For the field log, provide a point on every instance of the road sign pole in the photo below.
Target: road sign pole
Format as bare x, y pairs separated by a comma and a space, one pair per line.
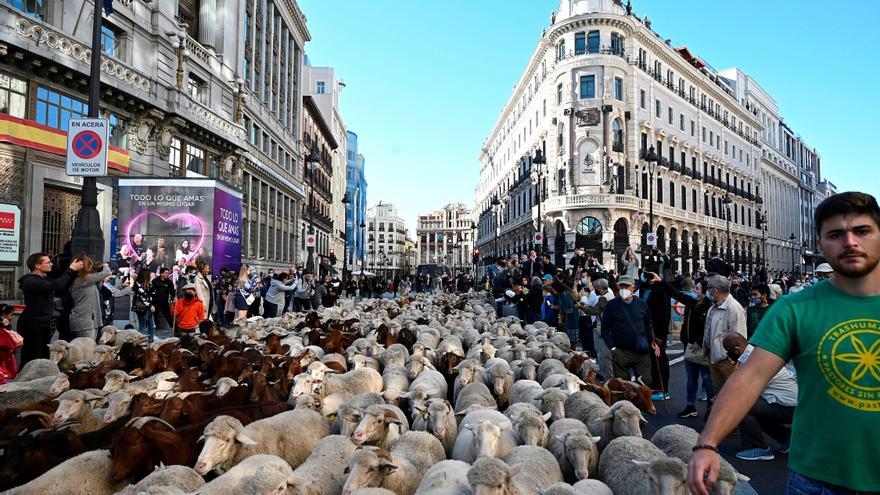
88, 237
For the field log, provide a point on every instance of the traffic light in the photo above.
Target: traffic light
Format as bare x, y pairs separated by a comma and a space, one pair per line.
332, 257
476, 255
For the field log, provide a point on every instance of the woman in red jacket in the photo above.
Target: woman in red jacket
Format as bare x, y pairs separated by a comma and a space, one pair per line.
188, 311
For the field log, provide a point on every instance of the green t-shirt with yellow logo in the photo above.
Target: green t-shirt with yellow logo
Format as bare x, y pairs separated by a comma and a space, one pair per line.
833, 339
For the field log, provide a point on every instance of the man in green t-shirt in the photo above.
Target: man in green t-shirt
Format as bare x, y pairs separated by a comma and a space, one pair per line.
831, 331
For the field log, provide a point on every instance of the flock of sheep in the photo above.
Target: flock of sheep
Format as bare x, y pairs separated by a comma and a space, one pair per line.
423, 395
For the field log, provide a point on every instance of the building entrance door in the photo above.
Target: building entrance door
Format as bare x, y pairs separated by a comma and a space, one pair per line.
60, 207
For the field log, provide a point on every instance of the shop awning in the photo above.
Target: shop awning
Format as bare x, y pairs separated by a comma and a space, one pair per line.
30, 134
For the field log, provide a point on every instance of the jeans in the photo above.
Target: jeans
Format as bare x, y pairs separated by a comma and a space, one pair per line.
270, 310
694, 373
301, 305
767, 418
147, 325
799, 484
603, 354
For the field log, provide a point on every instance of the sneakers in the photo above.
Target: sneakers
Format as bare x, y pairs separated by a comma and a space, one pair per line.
756, 454
702, 396
688, 412
784, 448
659, 396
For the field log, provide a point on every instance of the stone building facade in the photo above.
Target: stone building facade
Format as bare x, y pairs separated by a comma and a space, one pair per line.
385, 241
445, 236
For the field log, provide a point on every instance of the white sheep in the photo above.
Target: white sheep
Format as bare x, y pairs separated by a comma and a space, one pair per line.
395, 354
574, 448
111, 335
323, 472
51, 386
437, 418
621, 419
474, 396
634, 466
529, 424
359, 361
37, 368
524, 472
396, 381
399, 470
259, 474
103, 354
182, 478
67, 354
85, 474
484, 432
592, 487
290, 435
567, 382
678, 441
361, 381
380, 425
445, 478
73, 405
550, 367
429, 384
349, 413
499, 377
524, 369
467, 372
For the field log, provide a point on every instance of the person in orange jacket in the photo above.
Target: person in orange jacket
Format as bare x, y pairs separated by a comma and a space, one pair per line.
188, 311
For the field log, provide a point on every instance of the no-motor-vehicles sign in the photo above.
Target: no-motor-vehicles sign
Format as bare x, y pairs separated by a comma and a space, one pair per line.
87, 147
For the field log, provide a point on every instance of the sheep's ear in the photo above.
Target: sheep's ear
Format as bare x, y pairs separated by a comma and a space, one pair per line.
742, 478
391, 418
596, 439
406, 395
581, 382
642, 419
643, 464
547, 416
242, 438
387, 467
514, 470
609, 416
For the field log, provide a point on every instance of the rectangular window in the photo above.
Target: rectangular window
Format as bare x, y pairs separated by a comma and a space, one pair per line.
669, 115
684, 198
34, 8
13, 96
559, 95
174, 157
197, 89
561, 50
681, 122
671, 193
642, 99
55, 110
580, 43
109, 41
195, 159
693, 129
659, 189
657, 109
618, 89
593, 42
588, 87
320, 88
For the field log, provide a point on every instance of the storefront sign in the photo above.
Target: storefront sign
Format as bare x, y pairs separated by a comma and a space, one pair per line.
165, 223
10, 233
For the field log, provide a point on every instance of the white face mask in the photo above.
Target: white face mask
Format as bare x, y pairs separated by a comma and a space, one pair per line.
625, 293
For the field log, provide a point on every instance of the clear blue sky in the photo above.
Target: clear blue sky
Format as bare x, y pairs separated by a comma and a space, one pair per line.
426, 80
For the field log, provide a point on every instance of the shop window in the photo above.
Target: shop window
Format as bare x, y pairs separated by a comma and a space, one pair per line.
13, 96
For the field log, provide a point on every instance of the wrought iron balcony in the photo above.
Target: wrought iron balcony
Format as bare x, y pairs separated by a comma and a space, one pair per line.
675, 167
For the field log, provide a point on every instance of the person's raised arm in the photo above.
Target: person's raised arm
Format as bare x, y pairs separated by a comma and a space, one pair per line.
733, 403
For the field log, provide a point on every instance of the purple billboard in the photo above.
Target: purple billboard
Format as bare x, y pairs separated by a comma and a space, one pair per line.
168, 223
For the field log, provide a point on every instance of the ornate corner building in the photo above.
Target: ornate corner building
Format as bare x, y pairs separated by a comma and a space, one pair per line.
600, 90
192, 88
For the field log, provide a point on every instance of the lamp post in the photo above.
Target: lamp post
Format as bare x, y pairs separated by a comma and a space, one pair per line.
345, 201
178, 40
536, 176
363, 226
726, 200
313, 161
496, 206
651, 159
474, 246
792, 240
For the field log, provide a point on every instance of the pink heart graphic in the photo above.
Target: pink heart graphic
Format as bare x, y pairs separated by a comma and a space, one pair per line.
190, 219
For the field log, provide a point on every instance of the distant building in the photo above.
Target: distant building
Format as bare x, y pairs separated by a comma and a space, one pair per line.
445, 236
356, 212
386, 235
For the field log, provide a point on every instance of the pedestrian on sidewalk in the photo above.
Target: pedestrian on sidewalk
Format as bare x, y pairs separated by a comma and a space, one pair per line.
279, 288
163, 295
829, 333
246, 290
142, 304
36, 323
85, 312
626, 329
570, 314
725, 315
189, 312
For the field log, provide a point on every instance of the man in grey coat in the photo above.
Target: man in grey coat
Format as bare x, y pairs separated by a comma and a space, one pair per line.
85, 315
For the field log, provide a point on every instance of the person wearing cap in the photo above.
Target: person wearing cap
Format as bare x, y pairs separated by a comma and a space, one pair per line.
188, 311
824, 271
627, 331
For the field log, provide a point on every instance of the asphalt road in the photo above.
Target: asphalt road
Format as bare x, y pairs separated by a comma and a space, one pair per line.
767, 477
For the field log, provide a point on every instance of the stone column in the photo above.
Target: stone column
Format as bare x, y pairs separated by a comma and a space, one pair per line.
207, 22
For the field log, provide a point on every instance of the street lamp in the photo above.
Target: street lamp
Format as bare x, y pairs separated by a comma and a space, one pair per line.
651, 159
363, 226
726, 200
792, 240
178, 41
345, 201
313, 161
496, 206
474, 246
537, 175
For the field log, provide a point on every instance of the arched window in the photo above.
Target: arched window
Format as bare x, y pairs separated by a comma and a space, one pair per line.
685, 244
661, 238
673, 241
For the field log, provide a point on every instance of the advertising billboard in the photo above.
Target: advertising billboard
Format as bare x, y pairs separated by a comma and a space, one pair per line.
163, 223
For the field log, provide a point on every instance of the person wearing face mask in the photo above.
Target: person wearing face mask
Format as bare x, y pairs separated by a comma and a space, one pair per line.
760, 303
772, 412
797, 287
627, 331
725, 316
824, 272
188, 311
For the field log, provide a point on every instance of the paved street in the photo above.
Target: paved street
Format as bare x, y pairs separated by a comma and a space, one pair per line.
767, 477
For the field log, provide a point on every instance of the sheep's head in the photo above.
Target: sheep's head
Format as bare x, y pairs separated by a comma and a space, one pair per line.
532, 429
310, 401
165, 381
668, 476
317, 369
727, 480
224, 385
108, 334
437, 413
487, 438
59, 386
72, 404
624, 420
305, 384
547, 350
490, 476
374, 425
367, 467
553, 401
103, 354
270, 479
360, 361
416, 365
222, 438
581, 452
528, 369
115, 380
466, 373
118, 405
501, 378
419, 395
58, 350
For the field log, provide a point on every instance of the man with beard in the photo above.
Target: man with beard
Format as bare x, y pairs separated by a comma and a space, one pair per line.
830, 332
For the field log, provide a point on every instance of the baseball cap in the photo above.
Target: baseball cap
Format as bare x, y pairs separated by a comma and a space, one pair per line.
824, 268
548, 276
189, 286
626, 280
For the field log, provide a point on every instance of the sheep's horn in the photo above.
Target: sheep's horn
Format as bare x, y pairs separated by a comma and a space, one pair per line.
25, 414
139, 422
